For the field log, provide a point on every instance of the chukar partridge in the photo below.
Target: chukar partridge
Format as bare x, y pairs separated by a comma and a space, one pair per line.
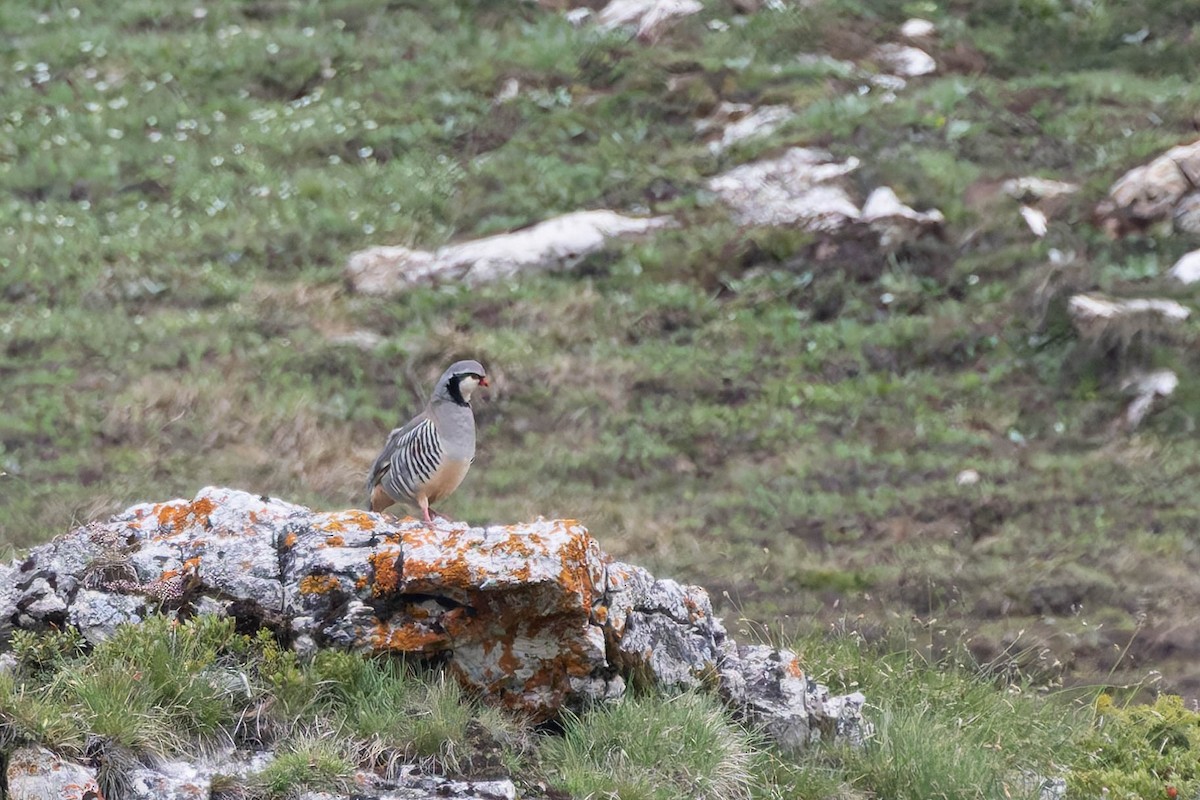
427, 459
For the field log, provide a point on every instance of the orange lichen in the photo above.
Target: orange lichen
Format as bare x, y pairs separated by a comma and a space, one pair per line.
516, 544
361, 582
340, 521
387, 573
793, 668
335, 541
178, 516
574, 576
408, 639
192, 564
289, 541
319, 584
508, 660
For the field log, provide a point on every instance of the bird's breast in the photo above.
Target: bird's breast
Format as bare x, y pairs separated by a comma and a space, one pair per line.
446, 478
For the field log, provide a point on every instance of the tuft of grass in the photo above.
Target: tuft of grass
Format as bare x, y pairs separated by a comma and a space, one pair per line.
315, 762
652, 748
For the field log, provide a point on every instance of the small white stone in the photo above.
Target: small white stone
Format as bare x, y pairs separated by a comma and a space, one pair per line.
917, 28
1187, 268
968, 477
1035, 219
908, 62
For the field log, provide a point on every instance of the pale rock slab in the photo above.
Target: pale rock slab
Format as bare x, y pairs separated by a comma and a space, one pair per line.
797, 188
1095, 315
650, 18
739, 122
554, 244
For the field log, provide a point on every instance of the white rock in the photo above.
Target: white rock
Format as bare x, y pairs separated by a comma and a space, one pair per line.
967, 477
649, 17
510, 90
1187, 268
1033, 188
1150, 191
1095, 316
1035, 219
1159, 382
894, 221
553, 244
792, 189
741, 123
917, 28
1147, 388
905, 61
883, 203
578, 16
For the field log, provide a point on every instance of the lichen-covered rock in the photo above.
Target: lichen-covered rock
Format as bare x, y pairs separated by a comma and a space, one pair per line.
35, 773
533, 616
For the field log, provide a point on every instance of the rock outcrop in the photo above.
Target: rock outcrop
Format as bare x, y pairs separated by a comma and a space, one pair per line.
534, 616
1166, 188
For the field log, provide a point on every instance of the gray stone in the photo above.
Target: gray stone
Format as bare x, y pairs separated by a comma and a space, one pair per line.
1186, 216
173, 780
35, 773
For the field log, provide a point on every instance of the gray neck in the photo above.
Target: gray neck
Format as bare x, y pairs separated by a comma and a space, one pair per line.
456, 428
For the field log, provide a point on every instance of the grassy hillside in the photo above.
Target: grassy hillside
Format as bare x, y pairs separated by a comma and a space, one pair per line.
180, 185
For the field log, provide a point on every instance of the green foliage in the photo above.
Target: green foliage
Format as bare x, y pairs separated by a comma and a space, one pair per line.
944, 728
649, 747
40, 653
1140, 750
316, 763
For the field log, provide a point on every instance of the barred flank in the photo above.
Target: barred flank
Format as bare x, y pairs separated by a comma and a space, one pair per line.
414, 461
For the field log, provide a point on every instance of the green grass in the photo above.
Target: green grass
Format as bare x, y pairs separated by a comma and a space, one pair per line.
652, 748
943, 726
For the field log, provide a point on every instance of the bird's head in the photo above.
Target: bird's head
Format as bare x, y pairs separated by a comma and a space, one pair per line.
460, 380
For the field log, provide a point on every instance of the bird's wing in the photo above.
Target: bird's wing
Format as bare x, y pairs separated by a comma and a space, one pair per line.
384, 461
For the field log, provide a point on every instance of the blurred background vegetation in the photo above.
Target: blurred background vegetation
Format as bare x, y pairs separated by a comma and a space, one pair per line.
181, 184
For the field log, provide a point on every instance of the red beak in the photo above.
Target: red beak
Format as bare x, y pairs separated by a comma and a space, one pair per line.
483, 382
